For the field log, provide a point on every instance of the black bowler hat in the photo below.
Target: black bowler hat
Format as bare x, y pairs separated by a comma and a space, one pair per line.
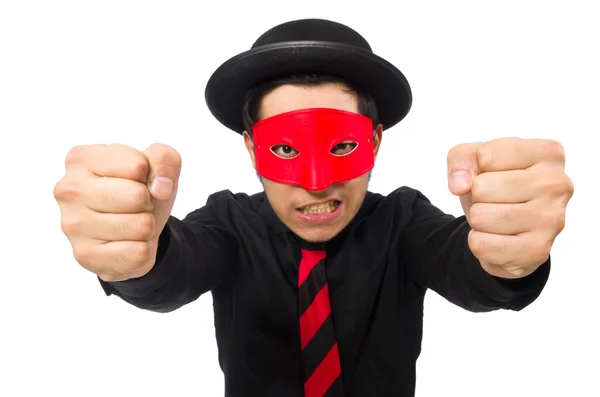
307, 46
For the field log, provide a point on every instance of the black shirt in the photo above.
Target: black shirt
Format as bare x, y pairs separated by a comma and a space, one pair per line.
379, 268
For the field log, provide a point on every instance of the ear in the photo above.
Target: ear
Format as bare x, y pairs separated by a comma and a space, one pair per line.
377, 135
249, 142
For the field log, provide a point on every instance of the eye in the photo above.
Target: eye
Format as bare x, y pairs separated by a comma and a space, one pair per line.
284, 151
344, 148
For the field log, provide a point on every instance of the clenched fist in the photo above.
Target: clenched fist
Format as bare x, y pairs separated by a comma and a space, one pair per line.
114, 202
514, 193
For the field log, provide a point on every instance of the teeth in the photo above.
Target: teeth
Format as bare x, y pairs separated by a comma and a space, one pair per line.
321, 208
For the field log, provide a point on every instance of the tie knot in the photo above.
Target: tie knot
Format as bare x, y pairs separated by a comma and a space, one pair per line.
310, 246
313, 251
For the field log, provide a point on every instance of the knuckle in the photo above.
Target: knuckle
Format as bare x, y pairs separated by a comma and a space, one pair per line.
145, 225
540, 250
138, 169
142, 270
554, 150
558, 185
134, 163
133, 195
75, 155
139, 254
476, 243
540, 257
140, 197
82, 254
484, 157
555, 220
568, 185
66, 190
72, 225
481, 214
476, 215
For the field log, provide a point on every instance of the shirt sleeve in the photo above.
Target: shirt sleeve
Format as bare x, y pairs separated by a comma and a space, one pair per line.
195, 255
440, 259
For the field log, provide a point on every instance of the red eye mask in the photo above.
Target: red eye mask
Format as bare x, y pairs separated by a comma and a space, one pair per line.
314, 148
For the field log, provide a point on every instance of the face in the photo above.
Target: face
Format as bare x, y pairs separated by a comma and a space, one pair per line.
315, 216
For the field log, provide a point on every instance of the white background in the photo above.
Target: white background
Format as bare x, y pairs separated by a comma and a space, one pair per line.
134, 72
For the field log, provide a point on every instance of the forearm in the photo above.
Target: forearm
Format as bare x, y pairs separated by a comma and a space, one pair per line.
456, 274
191, 260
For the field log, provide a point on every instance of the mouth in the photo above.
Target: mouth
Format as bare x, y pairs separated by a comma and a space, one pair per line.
324, 212
321, 208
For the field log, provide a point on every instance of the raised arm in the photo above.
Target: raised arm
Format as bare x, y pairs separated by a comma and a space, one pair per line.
115, 204
438, 258
514, 193
194, 256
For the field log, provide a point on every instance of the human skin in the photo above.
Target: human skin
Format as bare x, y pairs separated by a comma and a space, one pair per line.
287, 200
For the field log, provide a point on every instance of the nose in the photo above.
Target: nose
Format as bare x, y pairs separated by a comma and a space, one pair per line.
317, 178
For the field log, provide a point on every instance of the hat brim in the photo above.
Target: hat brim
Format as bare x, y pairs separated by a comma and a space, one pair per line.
227, 87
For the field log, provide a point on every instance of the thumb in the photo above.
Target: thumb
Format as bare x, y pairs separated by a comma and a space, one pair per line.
164, 169
462, 167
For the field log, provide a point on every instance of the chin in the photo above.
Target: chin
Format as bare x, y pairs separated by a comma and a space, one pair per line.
316, 234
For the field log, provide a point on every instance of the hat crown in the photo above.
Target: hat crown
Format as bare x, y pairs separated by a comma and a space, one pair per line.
312, 30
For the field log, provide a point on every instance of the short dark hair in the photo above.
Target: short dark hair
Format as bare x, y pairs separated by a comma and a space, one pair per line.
253, 100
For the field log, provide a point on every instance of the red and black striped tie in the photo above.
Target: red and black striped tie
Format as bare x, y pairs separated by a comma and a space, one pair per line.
322, 370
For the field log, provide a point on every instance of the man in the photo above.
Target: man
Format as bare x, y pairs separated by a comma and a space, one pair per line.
318, 284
